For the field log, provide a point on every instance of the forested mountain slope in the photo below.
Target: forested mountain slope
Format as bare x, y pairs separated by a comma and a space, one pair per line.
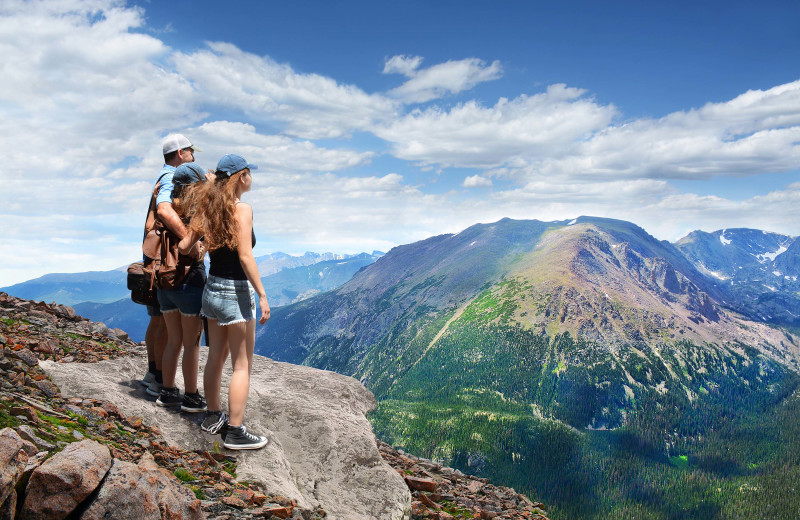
584, 361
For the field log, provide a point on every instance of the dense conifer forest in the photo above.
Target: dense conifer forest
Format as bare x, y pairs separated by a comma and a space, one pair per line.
688, 431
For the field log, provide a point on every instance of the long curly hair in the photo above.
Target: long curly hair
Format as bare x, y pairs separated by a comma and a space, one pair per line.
212, 209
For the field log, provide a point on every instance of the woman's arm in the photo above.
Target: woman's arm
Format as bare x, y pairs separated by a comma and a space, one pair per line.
244, 216
189, 242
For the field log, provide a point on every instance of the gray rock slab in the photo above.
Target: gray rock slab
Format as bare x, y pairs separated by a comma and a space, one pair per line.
322, 452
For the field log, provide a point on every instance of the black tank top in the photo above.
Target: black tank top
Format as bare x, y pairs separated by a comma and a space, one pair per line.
225, 263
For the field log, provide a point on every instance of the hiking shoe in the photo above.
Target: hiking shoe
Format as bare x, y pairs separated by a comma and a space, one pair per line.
238, 438
214, 422
154, 388
169, 397
148, 378
193, 403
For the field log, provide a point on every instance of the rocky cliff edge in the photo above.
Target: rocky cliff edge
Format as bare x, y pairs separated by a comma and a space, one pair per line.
322, 452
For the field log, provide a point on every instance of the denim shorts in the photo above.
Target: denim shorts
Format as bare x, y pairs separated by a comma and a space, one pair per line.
229, 301
186, 298
154, 311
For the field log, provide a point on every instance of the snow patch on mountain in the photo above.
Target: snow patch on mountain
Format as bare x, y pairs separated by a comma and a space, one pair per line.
705, 270
722, 238
770, 257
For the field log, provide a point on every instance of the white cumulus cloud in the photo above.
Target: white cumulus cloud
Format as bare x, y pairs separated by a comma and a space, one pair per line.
402, 64
439, 80
471, 135
309, 105
476, 181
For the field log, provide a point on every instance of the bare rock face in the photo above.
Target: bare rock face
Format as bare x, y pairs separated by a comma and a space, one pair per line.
65, 480
322, 452
131, 492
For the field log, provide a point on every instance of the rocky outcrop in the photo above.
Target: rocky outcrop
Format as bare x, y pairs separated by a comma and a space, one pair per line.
141, 492
65, 480
322, 452
82, 481
445, 493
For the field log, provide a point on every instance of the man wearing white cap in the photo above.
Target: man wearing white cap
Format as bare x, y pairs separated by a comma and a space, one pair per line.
177, 149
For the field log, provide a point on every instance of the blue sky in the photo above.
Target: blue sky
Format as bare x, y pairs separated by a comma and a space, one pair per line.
380, 123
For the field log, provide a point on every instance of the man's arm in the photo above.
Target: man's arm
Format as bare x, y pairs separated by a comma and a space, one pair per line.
168, 216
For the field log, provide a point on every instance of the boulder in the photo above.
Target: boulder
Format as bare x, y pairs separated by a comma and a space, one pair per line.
13, 458
131, 492
65, 480
322, 452
8, 509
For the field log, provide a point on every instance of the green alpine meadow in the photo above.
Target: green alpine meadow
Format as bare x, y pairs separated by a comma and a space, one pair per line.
582, 362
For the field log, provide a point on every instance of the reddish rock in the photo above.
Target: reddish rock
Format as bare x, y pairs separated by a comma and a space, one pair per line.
276, 511
47, 346
65, 480
246, 495
13, 458
425, 499
100, 412
110, 408
131, 492
474, 486
25, 411
134, 421
238, 503
422, 484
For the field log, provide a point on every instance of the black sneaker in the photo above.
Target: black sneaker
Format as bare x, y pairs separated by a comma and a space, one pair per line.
214, 422
193, 403
238, 438
169, 397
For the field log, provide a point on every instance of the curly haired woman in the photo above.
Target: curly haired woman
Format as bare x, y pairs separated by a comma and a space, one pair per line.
226, 225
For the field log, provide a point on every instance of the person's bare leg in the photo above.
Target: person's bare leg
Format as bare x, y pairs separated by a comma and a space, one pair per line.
173, 349
150, 338
155, 339
217, 353
240, 380
191, 328
160, 343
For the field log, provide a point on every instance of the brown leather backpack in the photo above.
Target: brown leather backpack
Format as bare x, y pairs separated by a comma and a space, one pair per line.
163, 263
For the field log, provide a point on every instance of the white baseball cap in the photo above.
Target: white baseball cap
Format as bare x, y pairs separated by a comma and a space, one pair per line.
175, 142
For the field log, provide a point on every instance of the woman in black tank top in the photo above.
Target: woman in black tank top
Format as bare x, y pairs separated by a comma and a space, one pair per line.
229, 302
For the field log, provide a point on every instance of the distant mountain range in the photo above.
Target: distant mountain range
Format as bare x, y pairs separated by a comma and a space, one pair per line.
103, 295
577, 349
598, 279
72, 288
757, 271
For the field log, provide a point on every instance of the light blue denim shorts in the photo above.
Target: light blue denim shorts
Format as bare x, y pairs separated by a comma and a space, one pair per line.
229, 301
186, 298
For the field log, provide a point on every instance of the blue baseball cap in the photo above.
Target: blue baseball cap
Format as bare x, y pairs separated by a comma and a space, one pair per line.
188, 173
231, 163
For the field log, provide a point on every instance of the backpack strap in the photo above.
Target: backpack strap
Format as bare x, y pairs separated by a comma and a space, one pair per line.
152, 211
